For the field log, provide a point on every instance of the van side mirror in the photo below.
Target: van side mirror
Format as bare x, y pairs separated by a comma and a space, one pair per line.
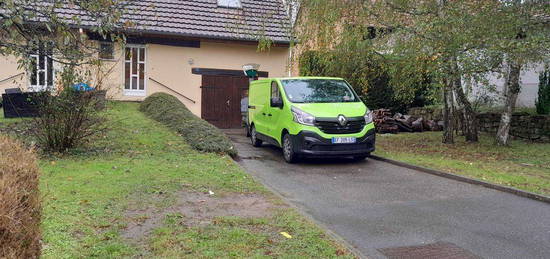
277, 102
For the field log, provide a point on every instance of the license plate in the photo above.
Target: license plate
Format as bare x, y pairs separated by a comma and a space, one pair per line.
347, 140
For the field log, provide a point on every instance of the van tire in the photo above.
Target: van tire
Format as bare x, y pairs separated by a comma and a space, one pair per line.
247, 130
254, 137
288, 150
360, 158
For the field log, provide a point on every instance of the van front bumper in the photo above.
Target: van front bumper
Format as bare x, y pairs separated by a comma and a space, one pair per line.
311, 144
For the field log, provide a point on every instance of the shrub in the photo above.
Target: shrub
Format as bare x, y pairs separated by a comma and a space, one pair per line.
67, 117
19, 202
366, 73
314, 63
543, 100
200, 134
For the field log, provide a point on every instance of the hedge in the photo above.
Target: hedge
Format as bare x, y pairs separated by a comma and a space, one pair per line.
198, 133
20, 208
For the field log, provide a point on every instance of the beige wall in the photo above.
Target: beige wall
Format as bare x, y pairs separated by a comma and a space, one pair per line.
170, 66
9, 68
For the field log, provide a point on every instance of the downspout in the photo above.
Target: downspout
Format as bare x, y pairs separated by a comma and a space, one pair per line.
291, 64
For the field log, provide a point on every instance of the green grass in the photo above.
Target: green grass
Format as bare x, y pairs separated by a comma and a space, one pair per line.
522, 165
244, 238
140, 164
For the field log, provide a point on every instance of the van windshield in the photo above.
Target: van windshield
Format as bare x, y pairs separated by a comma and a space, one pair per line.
318, 91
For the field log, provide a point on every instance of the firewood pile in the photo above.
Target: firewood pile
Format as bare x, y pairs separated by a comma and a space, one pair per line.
386, 122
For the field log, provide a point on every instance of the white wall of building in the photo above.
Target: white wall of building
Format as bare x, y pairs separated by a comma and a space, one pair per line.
494, 86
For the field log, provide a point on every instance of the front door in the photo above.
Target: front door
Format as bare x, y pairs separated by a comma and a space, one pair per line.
221, 100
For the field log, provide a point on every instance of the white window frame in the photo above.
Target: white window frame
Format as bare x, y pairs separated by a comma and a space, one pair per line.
38, 87
135, 92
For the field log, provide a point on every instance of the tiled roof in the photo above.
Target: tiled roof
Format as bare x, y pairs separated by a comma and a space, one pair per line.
205, 19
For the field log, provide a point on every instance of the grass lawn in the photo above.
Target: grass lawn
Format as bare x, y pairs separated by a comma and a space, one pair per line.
141, 191
522, 165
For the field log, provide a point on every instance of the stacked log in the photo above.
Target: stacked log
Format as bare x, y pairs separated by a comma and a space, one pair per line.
385, 122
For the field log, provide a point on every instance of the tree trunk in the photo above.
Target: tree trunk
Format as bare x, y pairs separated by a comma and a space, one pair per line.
511, 91
469, 123
470, 119
448, 117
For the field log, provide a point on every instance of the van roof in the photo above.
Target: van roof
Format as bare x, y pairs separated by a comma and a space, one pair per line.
298, 77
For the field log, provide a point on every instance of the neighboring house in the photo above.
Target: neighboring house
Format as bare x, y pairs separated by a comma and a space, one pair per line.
192, 49
492, 92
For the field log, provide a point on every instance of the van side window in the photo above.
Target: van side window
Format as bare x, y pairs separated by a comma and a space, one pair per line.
275, 90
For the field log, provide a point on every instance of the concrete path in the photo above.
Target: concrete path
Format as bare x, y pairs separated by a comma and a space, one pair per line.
385, 210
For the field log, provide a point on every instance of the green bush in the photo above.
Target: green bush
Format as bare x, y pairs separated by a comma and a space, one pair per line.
315, 63
200, 134
543, 101
366, 73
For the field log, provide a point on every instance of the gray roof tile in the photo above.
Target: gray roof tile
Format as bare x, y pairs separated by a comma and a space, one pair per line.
204, 19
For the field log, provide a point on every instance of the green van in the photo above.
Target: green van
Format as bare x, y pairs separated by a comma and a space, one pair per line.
310, 116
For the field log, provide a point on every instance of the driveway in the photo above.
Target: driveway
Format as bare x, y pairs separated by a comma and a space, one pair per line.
386, 210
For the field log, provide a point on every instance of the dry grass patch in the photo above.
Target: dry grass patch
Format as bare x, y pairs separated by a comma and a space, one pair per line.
20, 209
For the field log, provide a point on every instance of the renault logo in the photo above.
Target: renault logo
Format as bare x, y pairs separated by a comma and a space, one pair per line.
342, 120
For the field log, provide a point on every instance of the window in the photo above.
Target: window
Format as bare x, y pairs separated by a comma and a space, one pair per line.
275, 90
134, 71
230, 3
41, 72
106, 50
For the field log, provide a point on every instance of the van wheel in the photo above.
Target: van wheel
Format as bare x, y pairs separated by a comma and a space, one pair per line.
288, 150
247, 130
254, 137
360, 158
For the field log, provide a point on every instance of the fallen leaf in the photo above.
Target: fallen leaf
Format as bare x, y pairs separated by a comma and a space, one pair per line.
340, 252
286, 235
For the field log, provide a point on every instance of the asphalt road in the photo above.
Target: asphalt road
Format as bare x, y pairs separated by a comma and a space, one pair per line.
375, 205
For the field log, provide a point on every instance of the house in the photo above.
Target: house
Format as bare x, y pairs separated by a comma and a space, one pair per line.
491, 92
188, 48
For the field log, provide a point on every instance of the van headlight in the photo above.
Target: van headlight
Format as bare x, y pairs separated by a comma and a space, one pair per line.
368, 116
302, 117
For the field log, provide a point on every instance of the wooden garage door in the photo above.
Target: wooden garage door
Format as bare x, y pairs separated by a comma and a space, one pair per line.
221, 99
